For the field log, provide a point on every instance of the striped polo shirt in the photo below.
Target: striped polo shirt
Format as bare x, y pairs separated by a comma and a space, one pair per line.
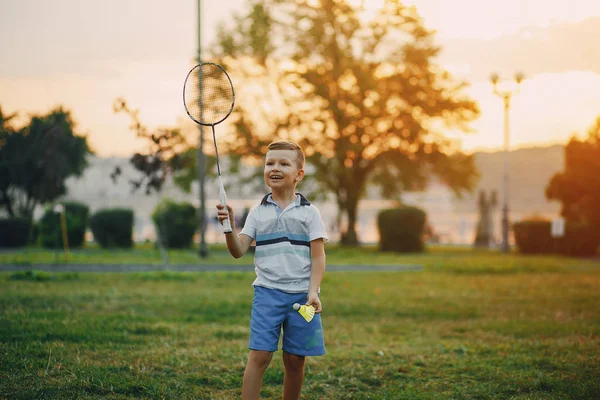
282, 258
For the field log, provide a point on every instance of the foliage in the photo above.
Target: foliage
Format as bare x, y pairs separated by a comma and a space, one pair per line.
577, 188
14, 232
76, 215
402, 229
35, 161
365, 99
581, 239
534, 236
175, 223
7, 132
113, 227
168, 153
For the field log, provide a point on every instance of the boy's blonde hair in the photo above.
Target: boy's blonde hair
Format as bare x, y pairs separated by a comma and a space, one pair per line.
289, 145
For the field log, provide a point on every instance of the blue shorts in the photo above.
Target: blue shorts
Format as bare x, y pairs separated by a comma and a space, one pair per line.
272, 310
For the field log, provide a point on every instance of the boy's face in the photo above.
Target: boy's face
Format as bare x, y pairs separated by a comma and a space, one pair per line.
281, 169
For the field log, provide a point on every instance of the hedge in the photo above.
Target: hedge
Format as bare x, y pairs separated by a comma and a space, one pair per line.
176, 223
50, 230
535, 237
14, 232
113, 228
402, 229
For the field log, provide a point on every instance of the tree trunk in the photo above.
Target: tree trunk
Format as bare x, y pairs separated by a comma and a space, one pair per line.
5, 201
349, 237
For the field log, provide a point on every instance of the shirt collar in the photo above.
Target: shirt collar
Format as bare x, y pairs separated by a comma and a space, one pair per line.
300, 200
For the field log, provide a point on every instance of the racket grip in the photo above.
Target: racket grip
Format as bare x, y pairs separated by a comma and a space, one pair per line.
223, 201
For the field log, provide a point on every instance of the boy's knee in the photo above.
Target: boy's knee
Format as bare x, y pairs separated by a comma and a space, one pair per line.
259, 358
293, 361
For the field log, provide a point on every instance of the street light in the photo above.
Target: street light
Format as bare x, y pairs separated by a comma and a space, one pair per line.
506, 96
203, 250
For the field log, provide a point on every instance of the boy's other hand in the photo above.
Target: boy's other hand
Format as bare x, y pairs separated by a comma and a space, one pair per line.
222, 214
313, 300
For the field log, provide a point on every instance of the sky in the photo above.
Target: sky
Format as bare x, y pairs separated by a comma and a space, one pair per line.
85, 54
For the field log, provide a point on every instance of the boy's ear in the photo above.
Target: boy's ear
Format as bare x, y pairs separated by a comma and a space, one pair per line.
300, 175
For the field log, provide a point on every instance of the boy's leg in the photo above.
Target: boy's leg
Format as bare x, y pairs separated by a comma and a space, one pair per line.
258, 361
294, 376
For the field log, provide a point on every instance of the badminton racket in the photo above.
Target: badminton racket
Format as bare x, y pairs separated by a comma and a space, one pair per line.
208, 98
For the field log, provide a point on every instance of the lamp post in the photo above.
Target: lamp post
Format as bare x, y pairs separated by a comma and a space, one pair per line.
506, 96
203, 250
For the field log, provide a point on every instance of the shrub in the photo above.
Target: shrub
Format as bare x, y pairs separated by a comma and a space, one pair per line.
176, 223
580, 240
533, 236
113, 227
14, 232
50, 231
402, 229
34, 233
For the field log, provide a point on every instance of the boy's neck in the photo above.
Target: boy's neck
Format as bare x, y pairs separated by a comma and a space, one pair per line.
284, 198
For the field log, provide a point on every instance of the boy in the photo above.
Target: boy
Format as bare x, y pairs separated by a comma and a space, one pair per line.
289, 264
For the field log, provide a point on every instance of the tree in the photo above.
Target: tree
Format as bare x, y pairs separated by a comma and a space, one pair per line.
6, 132
36, 160
578, 186
168, 153
364, 98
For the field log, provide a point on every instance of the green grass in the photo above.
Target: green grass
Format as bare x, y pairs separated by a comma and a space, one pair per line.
456, 258
142, 254
472, 325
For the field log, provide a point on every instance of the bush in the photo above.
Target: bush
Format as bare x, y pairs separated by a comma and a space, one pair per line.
176, 223
50, 231
14, 232
34, 233
535, 237
580, 240
402, 229
113, 228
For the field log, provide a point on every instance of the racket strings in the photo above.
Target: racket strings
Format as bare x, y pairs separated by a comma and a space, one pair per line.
209, 94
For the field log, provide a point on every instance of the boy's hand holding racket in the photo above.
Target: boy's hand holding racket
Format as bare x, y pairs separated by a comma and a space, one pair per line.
225, 212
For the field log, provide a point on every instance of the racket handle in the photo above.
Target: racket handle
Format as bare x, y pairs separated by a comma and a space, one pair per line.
223, 201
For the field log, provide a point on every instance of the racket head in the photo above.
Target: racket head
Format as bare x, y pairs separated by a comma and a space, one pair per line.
208, 94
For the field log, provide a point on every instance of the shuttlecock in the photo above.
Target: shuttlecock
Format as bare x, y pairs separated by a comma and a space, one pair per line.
308, 312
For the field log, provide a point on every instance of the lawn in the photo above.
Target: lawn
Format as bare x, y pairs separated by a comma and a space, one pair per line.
471, 325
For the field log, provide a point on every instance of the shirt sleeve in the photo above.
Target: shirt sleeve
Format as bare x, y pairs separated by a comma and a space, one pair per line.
317, 227
249, 228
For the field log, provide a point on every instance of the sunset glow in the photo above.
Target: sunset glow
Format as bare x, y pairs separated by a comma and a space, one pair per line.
85, 67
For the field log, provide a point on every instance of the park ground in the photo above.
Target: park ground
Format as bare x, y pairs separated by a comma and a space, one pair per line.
469, 325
